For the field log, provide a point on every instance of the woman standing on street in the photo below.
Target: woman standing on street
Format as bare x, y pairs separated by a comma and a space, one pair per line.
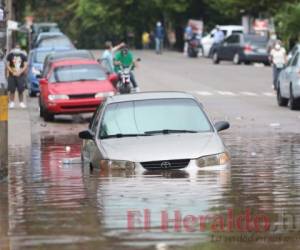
278, 59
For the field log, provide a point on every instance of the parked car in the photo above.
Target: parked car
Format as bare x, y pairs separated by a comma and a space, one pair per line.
69, 54
54, 42
35, 65
37, 28
73, 86
153, 131
288, 86
45, 35
243, 48
208, 40
292, 52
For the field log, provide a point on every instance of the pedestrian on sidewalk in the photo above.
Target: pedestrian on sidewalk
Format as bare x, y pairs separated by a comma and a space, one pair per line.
188, 34
16, 66
159, 37
278, 59
146, 40
107, 58
218, 39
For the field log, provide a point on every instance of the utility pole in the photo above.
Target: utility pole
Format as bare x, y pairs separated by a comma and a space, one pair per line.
10, 16
3, 96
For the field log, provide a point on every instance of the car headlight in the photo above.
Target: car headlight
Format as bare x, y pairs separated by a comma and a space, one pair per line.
57, 97
35, 71
213, 160
104, 94
116, 164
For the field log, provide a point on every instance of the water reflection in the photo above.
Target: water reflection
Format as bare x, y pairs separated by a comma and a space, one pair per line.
55, 205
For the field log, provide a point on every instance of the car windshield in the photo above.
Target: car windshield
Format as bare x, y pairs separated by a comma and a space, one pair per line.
73, 73
56, 42
150, 117
40, 56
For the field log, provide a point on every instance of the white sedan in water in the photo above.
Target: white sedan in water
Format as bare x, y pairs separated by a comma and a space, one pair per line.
153, 131
288, 86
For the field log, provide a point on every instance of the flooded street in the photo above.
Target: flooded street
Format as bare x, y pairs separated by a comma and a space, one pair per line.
53, 202
57, 205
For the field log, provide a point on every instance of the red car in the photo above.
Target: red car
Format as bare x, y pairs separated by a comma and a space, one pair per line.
74, 86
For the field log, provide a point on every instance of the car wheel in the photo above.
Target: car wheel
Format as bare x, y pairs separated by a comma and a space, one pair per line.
201, 52
247, 63
48, 117
282, 102
91, 167
236, 59
41, 107
294, 103
215, 58
31, 93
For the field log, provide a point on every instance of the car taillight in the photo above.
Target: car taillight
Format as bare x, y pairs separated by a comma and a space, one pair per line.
248, 48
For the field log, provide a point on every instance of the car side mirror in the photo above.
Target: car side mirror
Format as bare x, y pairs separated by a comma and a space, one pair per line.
222, 126
43, 81
86, 135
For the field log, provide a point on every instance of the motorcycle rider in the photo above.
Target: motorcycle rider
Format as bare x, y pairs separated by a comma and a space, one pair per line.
125, 58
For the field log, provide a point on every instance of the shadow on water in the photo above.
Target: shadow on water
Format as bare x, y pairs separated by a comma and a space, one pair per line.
54, 205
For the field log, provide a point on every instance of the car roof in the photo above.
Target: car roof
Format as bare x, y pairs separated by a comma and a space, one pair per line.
51, 49
231, 27
150, 96
73, 61
45, 24
70, 54
49, 34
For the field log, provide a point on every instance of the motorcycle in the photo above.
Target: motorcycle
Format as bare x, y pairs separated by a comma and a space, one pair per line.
124, 85
193, 46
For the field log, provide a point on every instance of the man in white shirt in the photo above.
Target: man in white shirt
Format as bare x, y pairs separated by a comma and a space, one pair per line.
218, 39
278, 59
107, 57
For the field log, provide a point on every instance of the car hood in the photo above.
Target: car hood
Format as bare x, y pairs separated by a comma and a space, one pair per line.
86, 87
163, 147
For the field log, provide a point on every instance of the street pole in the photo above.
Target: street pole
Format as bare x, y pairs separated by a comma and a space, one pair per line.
3, 132
3, 99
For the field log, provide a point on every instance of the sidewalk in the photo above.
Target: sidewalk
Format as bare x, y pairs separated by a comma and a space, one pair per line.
19, 127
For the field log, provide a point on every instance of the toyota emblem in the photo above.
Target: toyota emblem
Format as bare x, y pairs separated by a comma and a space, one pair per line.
165, 165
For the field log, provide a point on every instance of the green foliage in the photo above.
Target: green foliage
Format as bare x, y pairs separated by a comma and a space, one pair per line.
91, 22
288, 22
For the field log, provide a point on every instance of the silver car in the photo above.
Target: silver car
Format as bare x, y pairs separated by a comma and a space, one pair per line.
153, 131
288, 91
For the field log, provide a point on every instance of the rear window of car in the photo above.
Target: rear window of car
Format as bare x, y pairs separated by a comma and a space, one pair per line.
74, 73
56, 42
256, 40
237, 32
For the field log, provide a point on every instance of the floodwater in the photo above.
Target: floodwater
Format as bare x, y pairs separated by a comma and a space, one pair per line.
55, 203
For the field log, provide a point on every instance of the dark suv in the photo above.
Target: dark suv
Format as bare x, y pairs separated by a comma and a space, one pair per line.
244, 48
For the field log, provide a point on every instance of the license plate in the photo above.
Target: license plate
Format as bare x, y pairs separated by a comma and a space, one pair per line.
262, 50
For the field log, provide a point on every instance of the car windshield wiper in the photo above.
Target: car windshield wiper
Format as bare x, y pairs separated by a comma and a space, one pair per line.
122, 135
170, 131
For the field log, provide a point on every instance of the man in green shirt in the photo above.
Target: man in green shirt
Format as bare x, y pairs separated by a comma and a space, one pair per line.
125, 58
